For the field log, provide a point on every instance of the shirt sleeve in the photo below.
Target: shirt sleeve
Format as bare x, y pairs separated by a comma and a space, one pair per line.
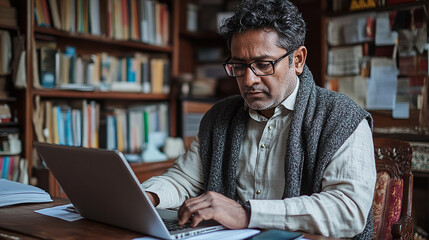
183, 180
342, 207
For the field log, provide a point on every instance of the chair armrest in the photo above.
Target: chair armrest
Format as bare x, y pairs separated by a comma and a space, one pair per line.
403, 229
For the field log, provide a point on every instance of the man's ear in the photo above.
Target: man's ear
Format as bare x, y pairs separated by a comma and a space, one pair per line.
299, 59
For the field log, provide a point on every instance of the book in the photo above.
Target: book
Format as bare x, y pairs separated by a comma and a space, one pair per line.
5, 52
12, 193
47, 68
53, 6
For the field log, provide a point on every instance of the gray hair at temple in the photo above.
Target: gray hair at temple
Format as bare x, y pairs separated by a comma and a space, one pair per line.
280, 15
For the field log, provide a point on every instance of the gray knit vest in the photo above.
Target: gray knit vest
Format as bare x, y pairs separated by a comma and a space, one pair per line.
322, 122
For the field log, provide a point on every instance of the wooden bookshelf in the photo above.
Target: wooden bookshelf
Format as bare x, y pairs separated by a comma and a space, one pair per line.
88, 44
104, 40
101, 95
384, 124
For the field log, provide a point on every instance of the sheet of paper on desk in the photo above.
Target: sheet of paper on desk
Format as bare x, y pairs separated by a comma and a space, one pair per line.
223, 234
60, 212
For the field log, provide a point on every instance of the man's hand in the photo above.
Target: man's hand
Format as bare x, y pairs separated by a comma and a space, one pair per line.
216, 206
153, 198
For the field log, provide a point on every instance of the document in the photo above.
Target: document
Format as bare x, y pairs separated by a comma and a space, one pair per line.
382, 84
350, 29
354, 87
383, 35
12, 193
344, 60
60, 212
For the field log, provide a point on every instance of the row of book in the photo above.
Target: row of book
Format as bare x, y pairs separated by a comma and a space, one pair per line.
9, 167
5, 52
7, 14
138, 72
68, 123
139, 20
354, 5
131, 129
82, 123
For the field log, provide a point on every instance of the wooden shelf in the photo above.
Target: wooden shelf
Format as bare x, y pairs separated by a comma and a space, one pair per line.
145, 171
9, 124
8, 99
8, 27
391, 7
202, 36
104, 40
100, 95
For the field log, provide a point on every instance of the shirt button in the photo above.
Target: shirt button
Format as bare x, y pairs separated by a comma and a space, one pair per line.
269, 127
258, 192
262, 146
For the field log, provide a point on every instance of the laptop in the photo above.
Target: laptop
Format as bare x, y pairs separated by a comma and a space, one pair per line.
102, 187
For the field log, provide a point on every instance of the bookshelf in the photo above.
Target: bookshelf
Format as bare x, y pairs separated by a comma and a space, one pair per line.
370, 49
87, 43
410, 128
10, 125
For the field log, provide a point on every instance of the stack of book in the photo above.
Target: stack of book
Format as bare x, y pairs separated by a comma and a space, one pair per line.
139, 20
7, 14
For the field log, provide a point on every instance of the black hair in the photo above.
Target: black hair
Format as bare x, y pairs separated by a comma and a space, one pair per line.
279, 15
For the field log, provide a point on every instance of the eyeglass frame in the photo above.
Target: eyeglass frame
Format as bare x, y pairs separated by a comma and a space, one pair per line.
248, 65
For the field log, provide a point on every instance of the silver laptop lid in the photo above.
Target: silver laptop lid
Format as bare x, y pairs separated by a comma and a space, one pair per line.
102, 186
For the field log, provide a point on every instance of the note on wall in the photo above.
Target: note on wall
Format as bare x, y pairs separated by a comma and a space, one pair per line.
344, 60
382, 84
383, 34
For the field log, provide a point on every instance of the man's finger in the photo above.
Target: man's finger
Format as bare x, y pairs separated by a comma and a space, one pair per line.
201, 215
189, 208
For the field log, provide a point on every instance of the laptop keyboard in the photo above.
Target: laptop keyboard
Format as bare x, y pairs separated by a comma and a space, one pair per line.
173, 225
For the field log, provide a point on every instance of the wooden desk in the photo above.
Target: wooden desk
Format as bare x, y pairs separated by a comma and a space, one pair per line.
21, 222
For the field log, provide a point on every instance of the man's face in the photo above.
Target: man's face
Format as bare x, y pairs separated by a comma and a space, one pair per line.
262, 93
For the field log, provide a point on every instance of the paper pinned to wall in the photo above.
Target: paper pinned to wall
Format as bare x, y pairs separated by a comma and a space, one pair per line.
344, 60
382, 85
353, 86
383, 34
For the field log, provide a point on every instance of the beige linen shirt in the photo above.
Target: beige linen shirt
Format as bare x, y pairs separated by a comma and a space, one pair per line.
340, 210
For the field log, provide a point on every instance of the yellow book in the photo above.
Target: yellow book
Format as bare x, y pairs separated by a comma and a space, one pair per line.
55, 125
119, 133
48, 122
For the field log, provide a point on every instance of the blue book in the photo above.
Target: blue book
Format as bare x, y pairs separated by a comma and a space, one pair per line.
5, 167
68, 128
131, 74
60, 126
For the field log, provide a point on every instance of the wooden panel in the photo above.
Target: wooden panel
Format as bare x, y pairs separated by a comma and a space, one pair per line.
145, 171
196, 107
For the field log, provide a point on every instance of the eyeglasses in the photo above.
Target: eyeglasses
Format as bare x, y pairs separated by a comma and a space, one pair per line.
259, 68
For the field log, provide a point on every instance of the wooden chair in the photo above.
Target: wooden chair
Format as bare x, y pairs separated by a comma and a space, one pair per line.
392, 208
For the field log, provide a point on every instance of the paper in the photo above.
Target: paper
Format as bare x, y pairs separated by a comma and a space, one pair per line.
14, 193
383, 34
60, 212
223, 234
401, 110
354, 87
344, 60
348, 29
382, 84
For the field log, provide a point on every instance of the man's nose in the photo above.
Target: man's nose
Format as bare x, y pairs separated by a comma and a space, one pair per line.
250, 77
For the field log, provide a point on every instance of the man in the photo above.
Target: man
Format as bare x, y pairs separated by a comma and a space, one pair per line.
286, 154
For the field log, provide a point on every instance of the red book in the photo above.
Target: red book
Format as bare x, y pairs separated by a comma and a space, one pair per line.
125, 22
46, 12
398, 1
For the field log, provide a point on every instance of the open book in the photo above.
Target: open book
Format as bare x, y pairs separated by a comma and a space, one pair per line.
14, 193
